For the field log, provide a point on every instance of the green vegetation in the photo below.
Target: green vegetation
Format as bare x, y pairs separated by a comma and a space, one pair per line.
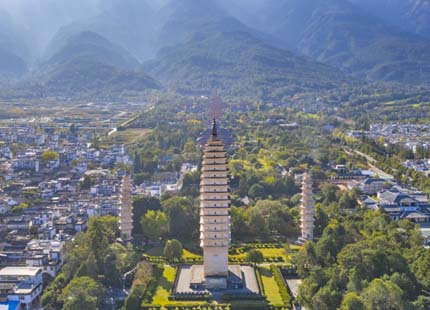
285, 295
357, 258
365, 259
271, 288
154, 224
164, 286
93, 259
173, 250
255, 256
49, 155
142, 283
127, 137
389, 159
236, 63
83, 293
19, 208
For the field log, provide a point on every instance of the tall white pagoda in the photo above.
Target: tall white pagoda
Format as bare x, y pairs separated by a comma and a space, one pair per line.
126, 209
307, 208
215, 235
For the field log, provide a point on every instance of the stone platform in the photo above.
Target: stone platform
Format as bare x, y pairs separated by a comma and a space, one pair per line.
242, 280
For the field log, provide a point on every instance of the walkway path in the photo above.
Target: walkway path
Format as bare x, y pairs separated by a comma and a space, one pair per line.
293, 285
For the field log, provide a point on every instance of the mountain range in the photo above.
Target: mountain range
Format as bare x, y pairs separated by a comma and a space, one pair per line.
410, 15
259, 47
12, 48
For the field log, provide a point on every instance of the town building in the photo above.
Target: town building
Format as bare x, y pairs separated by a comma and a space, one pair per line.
399, 205
21, 284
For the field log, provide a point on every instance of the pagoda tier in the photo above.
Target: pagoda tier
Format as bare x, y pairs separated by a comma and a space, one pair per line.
307, 208
215, 230
126, 209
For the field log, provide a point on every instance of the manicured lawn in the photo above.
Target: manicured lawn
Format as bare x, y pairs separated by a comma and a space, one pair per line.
269, 252
158, 251
187, 254
270, 287
165, 284
295, 247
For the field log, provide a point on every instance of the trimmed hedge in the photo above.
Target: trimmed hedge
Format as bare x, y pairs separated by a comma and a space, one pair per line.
260, 281
150, 307
283, 291
250, 296
190, 297
186, 307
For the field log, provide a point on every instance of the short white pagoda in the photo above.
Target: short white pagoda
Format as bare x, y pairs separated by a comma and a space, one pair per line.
307, 209
215, 235
126, 209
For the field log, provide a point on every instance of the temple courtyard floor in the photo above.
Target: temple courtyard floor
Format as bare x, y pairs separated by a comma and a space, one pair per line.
187, 273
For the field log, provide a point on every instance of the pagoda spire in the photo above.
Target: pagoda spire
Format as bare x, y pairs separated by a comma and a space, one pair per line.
214, 130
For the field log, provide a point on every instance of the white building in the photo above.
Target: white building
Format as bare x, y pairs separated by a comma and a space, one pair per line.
22, 284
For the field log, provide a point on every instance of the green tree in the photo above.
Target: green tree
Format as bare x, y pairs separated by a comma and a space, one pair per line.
255, 257
173, 250
132, 301
19, 208
49, 155
182, 217
72, 129
326, 299
191, 184
141, 205
383, 295
422, 303
239, 225
154, 224
421, 267
87, 182
83, 293
257, 191
277, 217
110, 269
351, 301
101, 232
257, 222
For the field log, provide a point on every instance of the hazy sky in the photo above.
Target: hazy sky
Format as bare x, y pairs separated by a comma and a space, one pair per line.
38, 21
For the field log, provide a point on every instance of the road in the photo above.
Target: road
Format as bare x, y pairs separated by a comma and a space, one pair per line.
370, 162
125, 123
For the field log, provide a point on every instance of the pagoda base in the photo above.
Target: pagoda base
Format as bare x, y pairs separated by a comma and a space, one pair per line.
215, 283
301, 240
240, 280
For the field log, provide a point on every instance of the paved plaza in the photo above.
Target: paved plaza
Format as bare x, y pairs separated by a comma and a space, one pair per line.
187, 273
